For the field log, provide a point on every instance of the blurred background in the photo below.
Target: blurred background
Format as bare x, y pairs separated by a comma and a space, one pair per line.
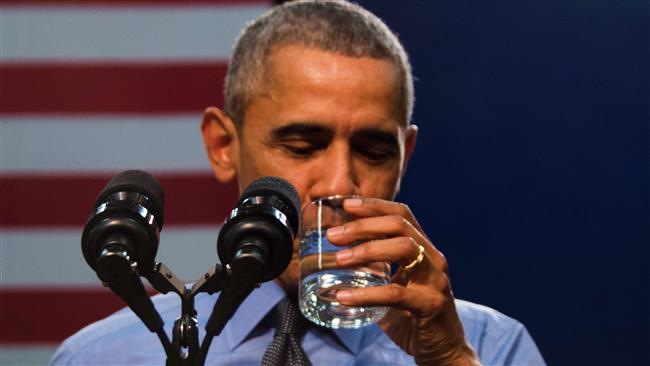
531, 171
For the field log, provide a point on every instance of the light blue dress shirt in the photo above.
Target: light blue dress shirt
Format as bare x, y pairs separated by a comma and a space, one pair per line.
121, 339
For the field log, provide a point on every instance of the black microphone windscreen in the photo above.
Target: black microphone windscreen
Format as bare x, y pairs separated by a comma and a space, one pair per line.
140, 182
276, 186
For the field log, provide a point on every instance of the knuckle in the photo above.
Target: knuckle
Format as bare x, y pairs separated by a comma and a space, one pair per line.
409, 247
437, 301
371, 201
404, 209
408, 244
394, 293
414, 247
398, 223
362, 250
351, 227
442, 263
442, 282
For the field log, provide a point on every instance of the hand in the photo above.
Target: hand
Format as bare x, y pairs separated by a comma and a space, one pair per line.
422, 319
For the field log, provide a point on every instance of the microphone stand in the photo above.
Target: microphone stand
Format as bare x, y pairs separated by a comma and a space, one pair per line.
235, 284
184, 349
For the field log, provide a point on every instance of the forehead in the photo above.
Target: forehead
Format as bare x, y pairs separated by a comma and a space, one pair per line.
311, 85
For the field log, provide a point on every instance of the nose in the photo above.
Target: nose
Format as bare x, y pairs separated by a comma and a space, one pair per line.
336, 173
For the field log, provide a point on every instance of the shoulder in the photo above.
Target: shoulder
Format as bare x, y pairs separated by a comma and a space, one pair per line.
497, 338
479, 319
97, 343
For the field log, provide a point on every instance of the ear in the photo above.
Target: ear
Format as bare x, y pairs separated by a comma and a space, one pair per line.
221, 141
409, 144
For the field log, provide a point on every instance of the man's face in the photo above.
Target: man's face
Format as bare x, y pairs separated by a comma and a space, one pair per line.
329, 124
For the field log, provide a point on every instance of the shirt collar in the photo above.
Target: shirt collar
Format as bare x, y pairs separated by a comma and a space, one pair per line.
251, 312
259, 303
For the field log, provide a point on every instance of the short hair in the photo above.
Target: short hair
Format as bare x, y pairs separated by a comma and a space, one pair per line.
335, 26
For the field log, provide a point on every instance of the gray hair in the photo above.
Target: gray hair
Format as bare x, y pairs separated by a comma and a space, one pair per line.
335, 26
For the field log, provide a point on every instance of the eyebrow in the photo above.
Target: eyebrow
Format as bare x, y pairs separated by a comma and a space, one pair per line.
376, 135
301, 129
312, 129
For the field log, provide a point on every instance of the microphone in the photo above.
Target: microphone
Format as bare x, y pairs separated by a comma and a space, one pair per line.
255, 244
120, 239
258, 235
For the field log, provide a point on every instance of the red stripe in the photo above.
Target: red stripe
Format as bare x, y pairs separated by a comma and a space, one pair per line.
123, 3
66, 200
50, 315
111, 88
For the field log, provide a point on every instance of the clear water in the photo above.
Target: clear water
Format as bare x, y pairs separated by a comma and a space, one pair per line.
319, 284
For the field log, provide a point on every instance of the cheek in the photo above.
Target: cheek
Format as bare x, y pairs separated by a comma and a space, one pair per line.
265, 164
256, 162
379, 182
300, 175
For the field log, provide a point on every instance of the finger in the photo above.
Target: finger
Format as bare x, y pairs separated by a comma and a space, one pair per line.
386, 227
397, 221
402, 249
369, 228
367, 207
417, 299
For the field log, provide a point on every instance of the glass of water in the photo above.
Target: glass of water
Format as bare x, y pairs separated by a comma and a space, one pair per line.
321, 277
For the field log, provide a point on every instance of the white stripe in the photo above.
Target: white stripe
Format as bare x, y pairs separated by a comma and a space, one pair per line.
25, 355
49, 257
114, 33
101, 143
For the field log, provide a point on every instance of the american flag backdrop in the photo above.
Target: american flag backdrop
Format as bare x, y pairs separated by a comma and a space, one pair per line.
89, 89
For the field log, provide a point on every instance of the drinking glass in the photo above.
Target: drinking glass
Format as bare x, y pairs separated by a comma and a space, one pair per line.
321, 277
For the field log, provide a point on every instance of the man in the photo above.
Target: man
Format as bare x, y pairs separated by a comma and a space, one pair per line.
321, 94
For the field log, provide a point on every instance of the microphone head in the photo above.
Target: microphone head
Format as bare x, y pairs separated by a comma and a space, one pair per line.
262, 226
140, 182
128, 212
280, 188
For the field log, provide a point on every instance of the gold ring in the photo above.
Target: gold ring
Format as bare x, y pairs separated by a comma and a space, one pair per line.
417, 260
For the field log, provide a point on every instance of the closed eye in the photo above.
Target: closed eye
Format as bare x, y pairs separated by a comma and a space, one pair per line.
377, 154
300, 148
301, 140
376, 146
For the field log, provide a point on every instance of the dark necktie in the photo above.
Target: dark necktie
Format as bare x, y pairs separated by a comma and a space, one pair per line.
285, 347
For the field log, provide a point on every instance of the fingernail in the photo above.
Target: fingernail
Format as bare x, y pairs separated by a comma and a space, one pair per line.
344, 255
334, 231
343, 295
353, 202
